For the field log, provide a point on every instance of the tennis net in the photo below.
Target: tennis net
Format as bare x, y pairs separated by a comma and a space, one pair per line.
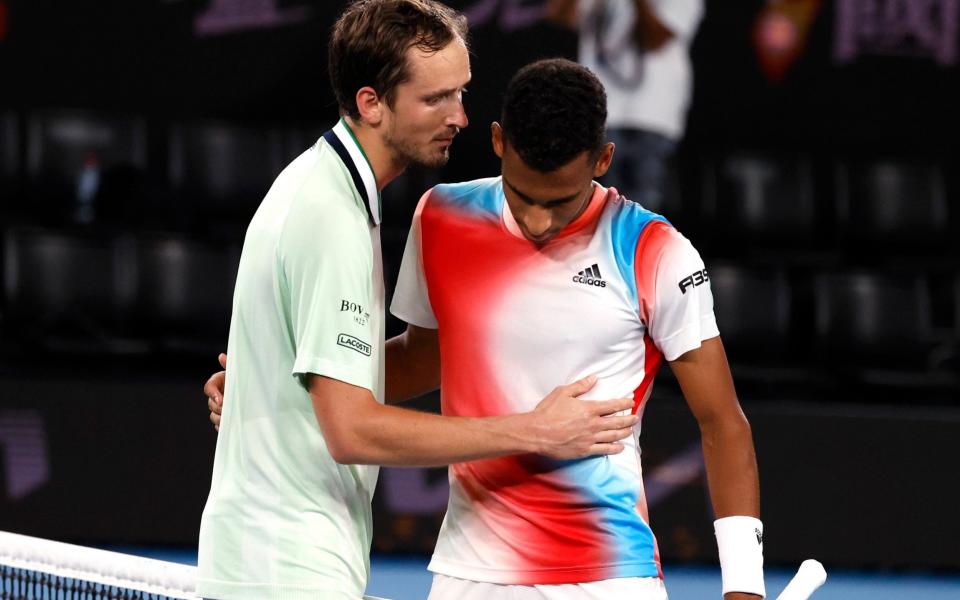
38, 569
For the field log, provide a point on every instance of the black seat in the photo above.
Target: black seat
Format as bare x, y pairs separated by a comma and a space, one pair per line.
764, 199
956, 305
874, 319
752, 306
224, 170
70, 154
60, 285
884, 203
184, 291
9, 155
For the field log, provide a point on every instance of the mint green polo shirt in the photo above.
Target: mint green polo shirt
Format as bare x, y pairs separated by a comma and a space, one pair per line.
283, 520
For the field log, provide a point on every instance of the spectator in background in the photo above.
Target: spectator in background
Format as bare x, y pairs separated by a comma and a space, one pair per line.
639, 49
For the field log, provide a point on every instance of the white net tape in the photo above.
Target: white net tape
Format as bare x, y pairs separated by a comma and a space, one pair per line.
103, 567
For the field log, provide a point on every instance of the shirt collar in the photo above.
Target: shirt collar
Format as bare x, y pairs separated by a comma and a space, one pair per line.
346, 145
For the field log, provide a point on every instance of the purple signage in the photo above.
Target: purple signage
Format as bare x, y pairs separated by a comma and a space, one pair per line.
229, 16
509, 15
23, 452
902, 28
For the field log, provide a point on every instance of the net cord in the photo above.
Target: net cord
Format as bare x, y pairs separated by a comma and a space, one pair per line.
107, 568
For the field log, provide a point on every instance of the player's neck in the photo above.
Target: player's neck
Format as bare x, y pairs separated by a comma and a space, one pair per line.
381, 159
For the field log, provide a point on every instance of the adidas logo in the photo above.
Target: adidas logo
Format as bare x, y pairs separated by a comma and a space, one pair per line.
590, 276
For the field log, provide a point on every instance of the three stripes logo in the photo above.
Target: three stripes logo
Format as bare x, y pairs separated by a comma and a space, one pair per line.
590, 276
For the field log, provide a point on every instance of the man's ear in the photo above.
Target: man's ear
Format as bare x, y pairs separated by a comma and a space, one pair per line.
603, 162
496, 138
370, 106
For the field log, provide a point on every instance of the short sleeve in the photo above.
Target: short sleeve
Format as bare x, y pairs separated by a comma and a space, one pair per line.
411, 298
682, 17
674, 289
326, 258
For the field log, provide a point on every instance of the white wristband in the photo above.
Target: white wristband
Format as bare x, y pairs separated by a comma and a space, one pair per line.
740, 542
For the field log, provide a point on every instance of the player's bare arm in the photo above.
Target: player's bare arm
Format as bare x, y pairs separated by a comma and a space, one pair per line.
412, 364
359, 430
412, 369
704, 377
561, 426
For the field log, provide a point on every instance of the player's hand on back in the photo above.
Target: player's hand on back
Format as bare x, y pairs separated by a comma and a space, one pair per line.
566, 427
213, 389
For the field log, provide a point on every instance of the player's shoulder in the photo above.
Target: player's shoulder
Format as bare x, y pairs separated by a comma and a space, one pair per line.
631, 224
639, 234
479, 195
320, 209
632, 215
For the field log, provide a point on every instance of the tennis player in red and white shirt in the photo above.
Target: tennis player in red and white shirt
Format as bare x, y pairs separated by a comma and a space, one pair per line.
544, 273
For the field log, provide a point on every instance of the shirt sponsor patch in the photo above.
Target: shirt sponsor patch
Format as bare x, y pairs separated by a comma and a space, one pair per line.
360, 316
694, 280
348, 341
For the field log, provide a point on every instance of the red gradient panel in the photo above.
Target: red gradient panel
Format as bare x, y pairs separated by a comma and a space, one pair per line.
650, 247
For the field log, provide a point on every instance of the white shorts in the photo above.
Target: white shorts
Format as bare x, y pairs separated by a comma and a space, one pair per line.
634, 588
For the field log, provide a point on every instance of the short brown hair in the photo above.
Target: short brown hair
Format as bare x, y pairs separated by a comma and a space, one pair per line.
370, 39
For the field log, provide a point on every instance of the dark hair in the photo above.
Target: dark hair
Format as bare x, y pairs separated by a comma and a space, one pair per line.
369, 42
554, 110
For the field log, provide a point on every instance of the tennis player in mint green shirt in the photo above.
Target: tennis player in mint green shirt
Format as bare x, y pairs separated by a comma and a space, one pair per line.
304, 421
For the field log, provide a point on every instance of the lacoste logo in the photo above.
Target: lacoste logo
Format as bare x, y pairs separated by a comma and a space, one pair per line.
759, 536
348, 341
590, 276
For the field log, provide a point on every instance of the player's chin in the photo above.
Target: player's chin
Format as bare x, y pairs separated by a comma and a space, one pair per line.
435, 160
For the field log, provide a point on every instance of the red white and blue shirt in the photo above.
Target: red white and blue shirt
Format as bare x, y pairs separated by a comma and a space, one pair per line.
616, 292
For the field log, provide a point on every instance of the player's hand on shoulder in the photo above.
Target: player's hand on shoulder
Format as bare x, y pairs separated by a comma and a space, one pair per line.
566, 427
213, 390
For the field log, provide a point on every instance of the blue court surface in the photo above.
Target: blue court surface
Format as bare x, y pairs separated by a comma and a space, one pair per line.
408, 579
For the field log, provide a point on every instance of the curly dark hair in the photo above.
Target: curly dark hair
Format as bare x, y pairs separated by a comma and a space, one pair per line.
553, 110
369, 42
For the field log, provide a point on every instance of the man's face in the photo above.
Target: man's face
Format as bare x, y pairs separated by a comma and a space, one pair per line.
428, 111
541, 203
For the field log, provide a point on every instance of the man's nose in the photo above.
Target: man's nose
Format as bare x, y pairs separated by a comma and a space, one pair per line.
537, 220
458, 117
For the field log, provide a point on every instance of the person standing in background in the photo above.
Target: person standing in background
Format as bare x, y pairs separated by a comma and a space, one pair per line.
640, 51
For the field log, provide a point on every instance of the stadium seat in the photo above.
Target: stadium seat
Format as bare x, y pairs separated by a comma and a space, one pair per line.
762, 330
764, 199
9, 157
224, 170
184, 290
885, 203
70, 154
59, 284
873, 319
956, 305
